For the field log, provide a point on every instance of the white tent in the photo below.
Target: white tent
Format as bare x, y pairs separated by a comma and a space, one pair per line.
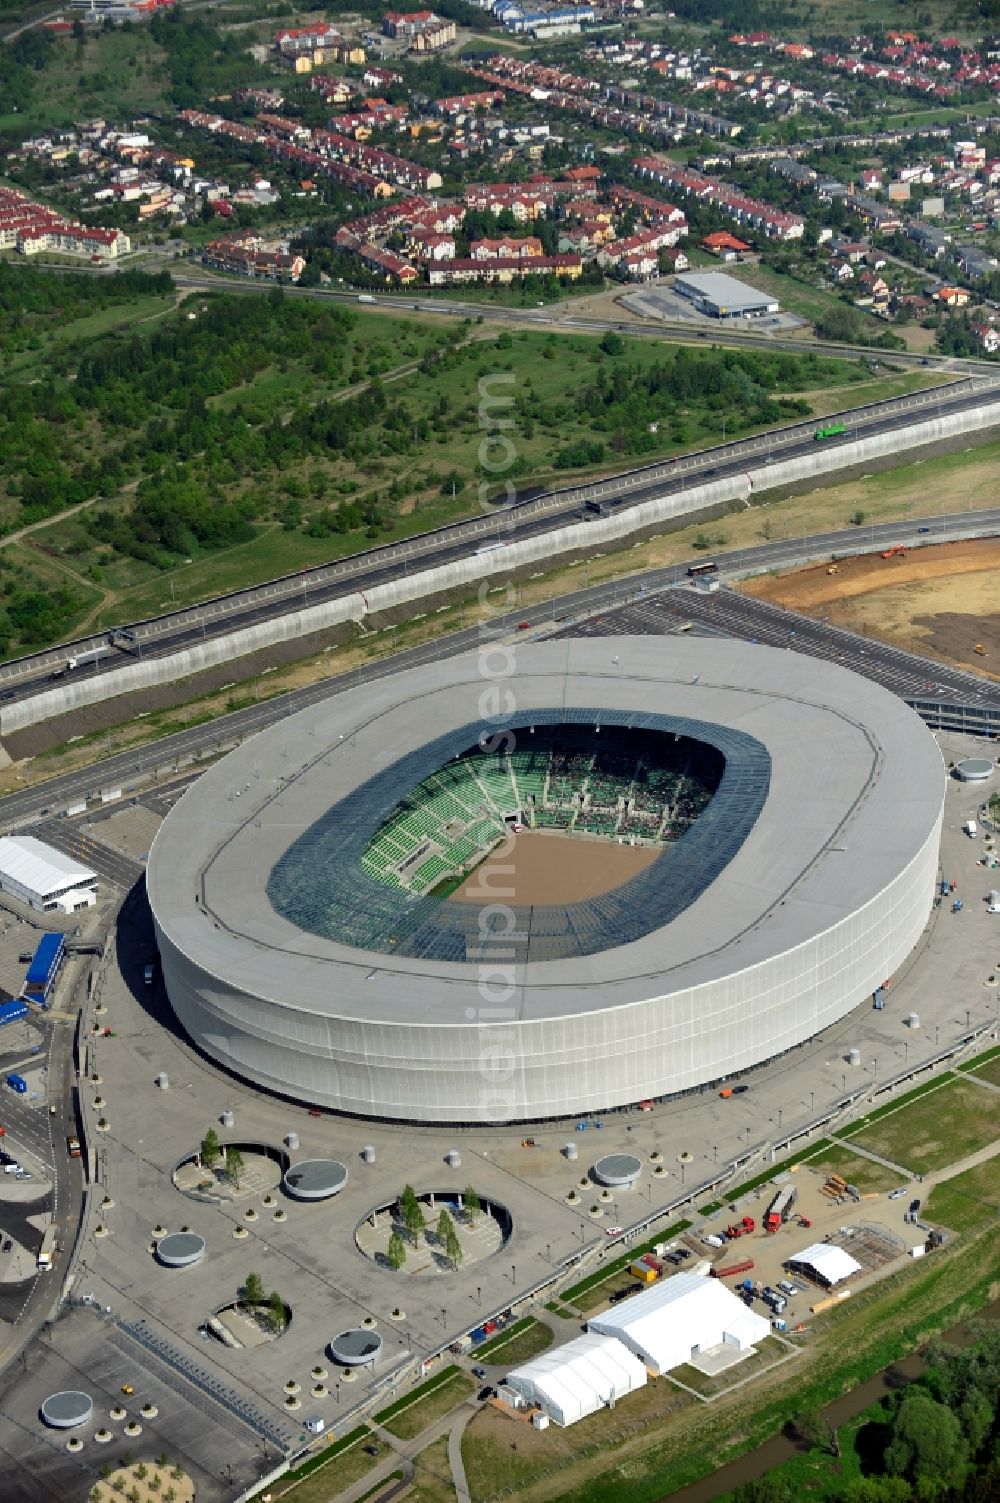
577, 1379
675, 1320
830, 1265
42, 876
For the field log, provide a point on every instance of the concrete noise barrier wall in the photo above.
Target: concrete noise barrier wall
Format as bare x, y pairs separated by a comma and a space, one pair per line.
619, 523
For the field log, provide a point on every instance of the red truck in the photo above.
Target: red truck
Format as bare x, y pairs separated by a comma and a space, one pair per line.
741, 1228
780, 1209
726, 1270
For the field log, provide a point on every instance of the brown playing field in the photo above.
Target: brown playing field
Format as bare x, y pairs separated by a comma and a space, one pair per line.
552, 868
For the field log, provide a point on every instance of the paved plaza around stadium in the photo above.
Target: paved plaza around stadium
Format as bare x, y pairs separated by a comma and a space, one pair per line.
311, 1256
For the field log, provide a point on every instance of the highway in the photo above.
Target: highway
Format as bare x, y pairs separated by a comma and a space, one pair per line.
548, 317
171, 632
659, 597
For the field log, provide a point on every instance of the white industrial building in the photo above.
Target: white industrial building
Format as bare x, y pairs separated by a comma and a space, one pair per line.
721, 296
572, 1381
44, 878
827, 1265
680, 1320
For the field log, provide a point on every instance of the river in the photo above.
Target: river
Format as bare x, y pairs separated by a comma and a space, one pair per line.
780, 1448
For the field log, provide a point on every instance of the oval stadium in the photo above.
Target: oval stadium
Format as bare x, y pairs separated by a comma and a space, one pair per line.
548, 878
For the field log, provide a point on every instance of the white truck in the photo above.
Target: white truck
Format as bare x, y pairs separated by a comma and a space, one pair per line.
971, 828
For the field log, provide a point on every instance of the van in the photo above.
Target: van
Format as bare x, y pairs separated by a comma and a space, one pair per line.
971, 828
993, 902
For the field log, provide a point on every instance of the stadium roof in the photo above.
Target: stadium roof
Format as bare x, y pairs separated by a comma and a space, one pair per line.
347, 904
39, 867
831, 1265
854, 796
688, 1312
579, 1378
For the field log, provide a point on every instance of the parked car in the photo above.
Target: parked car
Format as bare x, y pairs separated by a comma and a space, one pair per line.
898, 1193
484, 1393
740, 1090
479, 1372
914, 1207
788, 1288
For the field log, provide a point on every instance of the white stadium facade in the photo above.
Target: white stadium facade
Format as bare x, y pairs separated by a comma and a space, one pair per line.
799, 888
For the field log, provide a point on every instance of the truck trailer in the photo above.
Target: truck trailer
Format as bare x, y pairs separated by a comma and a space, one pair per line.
727, 1270
780, 1208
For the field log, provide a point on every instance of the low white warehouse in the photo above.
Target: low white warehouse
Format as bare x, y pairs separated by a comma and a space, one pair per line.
681, 1319
579, 1378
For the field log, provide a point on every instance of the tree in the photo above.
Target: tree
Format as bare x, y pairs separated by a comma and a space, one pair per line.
252, 1292
473, 1205
276, 1314
815, 1430
141, 1472
211, 1149
234, 1165
926, 1445
396, 1251
445, 1224
452, 1246
413, 1216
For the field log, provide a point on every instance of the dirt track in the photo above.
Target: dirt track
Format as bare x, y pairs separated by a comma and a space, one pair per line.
552, 868
940, 601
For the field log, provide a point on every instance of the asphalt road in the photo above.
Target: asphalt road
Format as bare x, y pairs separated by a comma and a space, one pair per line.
731, 614
548, 317
899, 671
45, 1133
174, 631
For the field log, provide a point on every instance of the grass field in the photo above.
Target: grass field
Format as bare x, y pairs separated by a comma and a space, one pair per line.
343, 1470
531, 1338
424, 1411
938, 1130
432, 1482
862, 1173
970, 1201
988, 1070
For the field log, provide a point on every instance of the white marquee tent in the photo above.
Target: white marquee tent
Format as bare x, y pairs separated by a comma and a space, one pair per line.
673, 1321
830, 1265
577, 1379
43, 877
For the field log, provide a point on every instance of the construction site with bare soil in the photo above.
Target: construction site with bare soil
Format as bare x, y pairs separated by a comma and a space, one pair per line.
941, 600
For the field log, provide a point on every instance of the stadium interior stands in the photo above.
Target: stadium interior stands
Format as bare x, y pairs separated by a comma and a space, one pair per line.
622, 784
